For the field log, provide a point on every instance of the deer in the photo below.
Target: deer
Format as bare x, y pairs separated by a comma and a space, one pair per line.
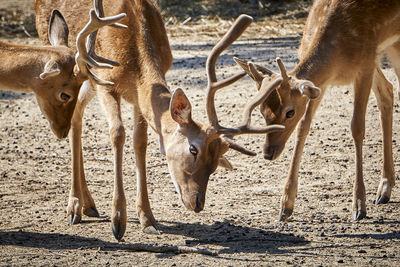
341, 44
193, 150
55, 72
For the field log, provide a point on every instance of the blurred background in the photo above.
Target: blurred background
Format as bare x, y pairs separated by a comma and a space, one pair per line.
17, 17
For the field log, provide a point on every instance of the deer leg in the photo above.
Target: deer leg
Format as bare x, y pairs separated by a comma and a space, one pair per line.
393, 53
86, 94
362, 88
111, 104
79, 197
88, 205
145, 214
291, 184
383, 91
74, 208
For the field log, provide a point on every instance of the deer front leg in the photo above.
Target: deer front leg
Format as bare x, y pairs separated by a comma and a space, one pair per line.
79, 197
362, 88
291, 185
146, 218
383, 91
74, 208
111, 103
88, 205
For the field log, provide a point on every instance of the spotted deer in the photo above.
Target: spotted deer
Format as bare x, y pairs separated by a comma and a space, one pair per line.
55, 72
342, 43
193, 150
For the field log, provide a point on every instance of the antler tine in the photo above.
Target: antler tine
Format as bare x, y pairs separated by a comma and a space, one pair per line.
241, 23
239, 148
98, 6
257, 100
245, 127
90, 45
83, 59
282, 69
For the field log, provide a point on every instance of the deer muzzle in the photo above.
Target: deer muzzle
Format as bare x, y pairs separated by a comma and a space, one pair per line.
272, 152
60, 131
194, 201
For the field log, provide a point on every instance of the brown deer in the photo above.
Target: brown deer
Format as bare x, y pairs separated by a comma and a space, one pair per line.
54, 73
341, 44
193, 150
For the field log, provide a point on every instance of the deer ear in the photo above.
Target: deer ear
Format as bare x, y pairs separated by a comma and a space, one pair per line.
256, 72
310, 90
180, 108
51, 69
223, 162
58, 29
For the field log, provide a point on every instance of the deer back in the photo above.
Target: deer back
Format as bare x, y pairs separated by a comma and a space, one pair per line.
342, 36
145, 30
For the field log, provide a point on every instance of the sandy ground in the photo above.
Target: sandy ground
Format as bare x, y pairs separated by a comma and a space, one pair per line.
239, 224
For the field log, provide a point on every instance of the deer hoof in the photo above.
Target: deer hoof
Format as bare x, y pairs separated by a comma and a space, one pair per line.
151, 230
382, 200
91, 212
359, 215
284, 214
74, 219
118, 230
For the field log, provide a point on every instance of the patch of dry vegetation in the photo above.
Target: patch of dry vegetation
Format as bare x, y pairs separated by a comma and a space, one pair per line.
276, 18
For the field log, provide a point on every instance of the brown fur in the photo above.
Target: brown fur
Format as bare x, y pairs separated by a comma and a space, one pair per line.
20, 70
144, 53
341, 44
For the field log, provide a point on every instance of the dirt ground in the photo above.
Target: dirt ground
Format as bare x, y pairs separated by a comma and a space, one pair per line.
239, 225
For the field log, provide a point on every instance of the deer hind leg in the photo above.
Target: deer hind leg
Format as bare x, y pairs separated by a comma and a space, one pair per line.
80, 199
362, 89
291, 184
146, 218
383, 91
111, 104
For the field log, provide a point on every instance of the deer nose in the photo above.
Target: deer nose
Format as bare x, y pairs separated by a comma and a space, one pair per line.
269, 155
269, 152
66, 133
199, 205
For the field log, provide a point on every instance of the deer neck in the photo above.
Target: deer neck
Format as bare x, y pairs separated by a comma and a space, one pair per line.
16, 71
153, 100
317, 64
20, 66
340, 39
153, 94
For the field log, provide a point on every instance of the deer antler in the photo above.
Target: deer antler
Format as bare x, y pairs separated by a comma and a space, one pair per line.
282, 69
85, 56
241, 23
98, 6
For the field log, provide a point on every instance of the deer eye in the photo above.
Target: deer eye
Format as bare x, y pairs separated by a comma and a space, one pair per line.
65, 97
290, 114
193, 150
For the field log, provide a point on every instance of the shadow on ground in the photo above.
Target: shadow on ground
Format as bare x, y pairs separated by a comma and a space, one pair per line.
5, 95
265, 50
232, 239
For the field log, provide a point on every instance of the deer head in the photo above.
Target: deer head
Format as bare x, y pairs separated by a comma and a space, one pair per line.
63, 71
286, 105
194, 150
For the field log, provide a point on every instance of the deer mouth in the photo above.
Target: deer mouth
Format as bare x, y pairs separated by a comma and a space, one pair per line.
272, 152
65, 133
60, 132
193, 201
